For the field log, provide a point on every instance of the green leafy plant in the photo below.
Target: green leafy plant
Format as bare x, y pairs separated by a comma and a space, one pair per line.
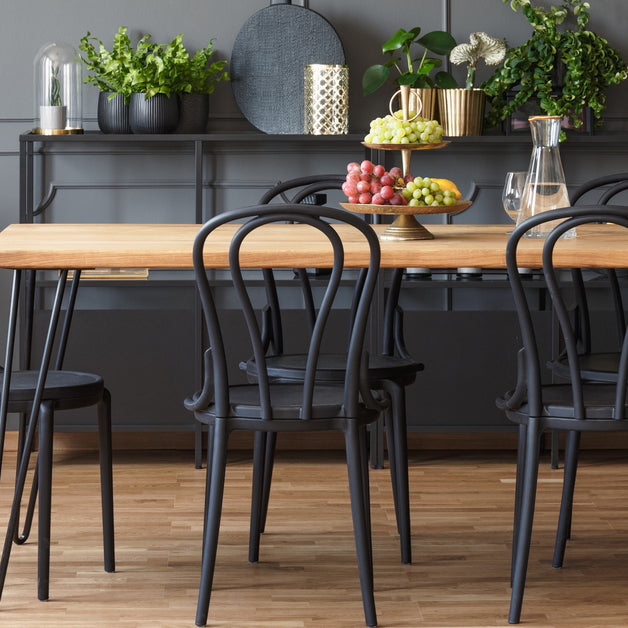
193, 75
116, 71
417, 69
530, 71
150, 68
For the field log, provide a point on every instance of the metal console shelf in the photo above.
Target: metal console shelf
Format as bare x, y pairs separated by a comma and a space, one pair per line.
32, 145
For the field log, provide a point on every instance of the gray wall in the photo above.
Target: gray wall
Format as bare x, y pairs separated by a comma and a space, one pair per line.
238, 175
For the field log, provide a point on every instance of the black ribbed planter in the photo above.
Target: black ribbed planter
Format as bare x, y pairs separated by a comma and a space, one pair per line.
193, 113
158, 114
113, 115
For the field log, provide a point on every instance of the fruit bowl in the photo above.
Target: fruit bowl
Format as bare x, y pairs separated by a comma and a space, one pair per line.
406, 226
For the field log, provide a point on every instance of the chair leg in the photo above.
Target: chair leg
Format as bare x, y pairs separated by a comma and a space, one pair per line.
212, 520
361, 529
399, 467
198, 445
524, 535
106, 480
208, 476
521, 450
364, 461
269, 462
566, 505
390, 442
44, 463
257, 494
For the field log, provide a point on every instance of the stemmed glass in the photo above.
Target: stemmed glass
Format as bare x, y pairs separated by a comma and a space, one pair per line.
513, 192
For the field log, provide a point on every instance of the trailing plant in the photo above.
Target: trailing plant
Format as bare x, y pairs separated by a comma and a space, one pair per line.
530, 71
417, 71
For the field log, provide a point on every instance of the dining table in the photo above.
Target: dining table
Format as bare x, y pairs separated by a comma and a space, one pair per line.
79, 247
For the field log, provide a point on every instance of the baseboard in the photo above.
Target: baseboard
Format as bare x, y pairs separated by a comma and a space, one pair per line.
87, 441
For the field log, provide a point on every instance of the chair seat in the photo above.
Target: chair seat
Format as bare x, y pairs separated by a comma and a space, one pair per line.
600, 367
62, 387
558, 407
286, 401
332, 367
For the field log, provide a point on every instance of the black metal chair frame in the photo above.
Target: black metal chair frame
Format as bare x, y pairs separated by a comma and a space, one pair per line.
574, 406
266, 406
40, 394
390, 370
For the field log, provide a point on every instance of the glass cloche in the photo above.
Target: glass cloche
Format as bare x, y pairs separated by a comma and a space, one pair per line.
58, 90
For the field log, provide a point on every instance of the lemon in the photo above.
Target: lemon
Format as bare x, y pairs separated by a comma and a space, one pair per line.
446, 184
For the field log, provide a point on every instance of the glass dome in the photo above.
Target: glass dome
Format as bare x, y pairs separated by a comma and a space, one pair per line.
58, 90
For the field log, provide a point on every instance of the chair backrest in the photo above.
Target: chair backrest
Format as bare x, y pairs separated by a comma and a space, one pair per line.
216, 382
558, 288
302, 190
608, 186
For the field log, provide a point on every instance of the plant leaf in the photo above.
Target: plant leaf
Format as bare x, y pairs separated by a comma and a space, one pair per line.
438, 42
444, 80
374, 78
398, 40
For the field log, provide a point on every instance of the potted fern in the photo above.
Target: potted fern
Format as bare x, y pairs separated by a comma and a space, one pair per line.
560, 72
194, 79
113, 72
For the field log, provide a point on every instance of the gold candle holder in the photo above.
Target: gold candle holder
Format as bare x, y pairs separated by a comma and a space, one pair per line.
326, 93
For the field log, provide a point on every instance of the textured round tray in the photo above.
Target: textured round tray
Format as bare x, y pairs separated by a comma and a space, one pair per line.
405, 146
406, 226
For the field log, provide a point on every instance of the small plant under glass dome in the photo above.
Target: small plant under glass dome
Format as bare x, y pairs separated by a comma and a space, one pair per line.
58, 90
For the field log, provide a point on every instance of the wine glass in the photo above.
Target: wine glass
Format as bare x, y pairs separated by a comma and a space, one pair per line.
513, 191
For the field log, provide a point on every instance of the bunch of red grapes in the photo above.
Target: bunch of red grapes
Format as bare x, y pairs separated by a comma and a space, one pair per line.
368, 183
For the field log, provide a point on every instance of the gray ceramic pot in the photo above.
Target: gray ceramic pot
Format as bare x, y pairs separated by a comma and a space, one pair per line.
158, 114
113, 115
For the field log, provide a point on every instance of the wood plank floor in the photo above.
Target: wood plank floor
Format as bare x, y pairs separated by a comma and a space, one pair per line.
307, 577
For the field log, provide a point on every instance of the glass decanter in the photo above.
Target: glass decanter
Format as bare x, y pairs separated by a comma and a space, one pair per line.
545, 187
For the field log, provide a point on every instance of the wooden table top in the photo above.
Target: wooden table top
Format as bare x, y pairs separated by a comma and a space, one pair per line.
86, 246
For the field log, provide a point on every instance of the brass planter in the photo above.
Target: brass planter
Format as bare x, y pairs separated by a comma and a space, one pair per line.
429, 100
461, 111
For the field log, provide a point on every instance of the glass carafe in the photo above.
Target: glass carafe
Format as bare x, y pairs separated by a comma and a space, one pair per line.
545, 187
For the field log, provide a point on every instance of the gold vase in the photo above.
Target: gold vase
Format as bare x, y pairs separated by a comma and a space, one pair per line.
429, 98
461, 111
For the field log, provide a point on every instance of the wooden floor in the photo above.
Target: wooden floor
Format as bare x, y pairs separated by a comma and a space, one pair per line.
307, 577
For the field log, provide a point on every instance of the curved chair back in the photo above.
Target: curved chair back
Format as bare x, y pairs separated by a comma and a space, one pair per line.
571, 217
609, 186
301, 190
216, 383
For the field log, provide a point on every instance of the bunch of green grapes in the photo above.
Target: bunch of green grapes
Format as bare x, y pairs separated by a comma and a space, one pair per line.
424, 191
392, 129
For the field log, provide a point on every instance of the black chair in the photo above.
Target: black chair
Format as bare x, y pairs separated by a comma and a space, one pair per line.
268, 406
573, 406
596, 365
389, 370
63, 390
